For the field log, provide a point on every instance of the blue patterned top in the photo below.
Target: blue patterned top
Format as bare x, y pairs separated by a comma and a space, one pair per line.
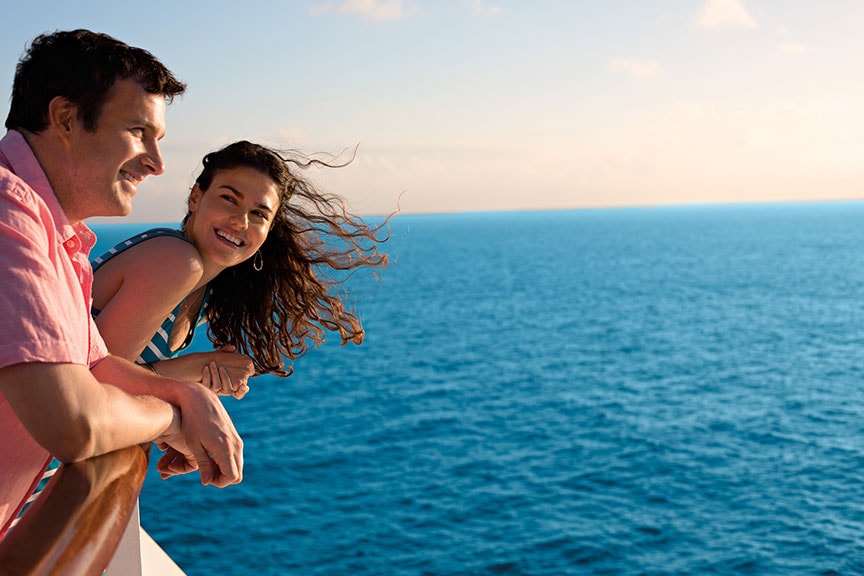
158, 348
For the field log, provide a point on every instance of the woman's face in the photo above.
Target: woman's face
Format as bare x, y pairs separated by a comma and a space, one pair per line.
229, 222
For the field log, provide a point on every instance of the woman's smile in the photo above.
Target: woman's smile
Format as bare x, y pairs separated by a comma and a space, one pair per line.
230, 238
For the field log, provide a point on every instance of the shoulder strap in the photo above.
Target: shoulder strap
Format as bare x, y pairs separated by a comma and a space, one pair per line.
137, 239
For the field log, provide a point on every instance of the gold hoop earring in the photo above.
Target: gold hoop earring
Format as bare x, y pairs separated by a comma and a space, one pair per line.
258, 261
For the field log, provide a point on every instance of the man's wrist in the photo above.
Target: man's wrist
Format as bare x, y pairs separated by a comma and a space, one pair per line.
176, 425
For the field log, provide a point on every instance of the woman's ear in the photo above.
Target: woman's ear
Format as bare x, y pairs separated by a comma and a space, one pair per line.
194, 198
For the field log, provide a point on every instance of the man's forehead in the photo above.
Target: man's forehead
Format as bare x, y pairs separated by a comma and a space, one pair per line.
128, 100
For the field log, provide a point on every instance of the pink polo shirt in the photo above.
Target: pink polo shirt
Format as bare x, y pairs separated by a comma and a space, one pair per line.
45, 297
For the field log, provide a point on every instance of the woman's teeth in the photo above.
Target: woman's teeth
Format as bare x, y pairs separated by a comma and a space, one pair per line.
233, 239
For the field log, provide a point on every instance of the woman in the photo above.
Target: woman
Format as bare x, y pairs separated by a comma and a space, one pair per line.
250, 260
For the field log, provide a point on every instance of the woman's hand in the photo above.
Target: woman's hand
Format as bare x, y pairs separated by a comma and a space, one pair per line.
228, 372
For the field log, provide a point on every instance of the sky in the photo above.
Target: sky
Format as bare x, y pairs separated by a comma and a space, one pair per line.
484, 105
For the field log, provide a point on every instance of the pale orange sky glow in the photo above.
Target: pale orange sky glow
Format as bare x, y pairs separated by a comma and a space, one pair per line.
482, 105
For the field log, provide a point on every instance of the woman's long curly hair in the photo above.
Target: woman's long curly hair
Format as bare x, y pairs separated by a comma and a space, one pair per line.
277, 312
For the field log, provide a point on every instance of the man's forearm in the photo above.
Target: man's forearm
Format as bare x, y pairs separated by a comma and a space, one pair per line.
73, 416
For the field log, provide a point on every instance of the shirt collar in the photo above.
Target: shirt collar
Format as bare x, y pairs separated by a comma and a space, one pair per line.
18, 157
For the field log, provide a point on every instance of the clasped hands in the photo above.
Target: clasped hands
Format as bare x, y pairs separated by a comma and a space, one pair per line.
228, 372
201, 436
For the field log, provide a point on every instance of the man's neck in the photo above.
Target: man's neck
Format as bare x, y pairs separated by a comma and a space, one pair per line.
49, 155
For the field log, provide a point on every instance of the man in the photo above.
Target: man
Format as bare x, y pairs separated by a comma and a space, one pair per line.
86, 115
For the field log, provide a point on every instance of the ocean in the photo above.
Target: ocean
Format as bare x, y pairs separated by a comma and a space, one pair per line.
657, 391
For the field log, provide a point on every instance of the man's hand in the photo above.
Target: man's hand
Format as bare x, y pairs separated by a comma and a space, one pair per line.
173, 463
200, 432
207, 441
178, 459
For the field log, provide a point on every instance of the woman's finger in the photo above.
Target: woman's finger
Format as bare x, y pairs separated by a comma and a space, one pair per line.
228, 385
216, 383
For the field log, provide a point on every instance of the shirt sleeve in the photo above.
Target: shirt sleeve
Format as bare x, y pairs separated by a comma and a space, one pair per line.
41, 301
98, 348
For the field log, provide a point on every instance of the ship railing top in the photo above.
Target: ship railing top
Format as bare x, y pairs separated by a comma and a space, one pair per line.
75, 525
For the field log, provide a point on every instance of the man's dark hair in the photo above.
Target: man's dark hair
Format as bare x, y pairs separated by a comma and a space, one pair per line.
81, 66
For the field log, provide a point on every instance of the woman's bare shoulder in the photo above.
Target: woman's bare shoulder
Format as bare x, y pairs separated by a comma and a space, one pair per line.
167, 257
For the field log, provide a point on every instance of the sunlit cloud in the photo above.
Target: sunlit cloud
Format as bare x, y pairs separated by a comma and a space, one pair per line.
791, 48
818, 109
366, 9
481, 8
692, 110
636, 67
725, 14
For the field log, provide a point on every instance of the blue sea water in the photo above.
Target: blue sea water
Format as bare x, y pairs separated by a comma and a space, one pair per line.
634, 391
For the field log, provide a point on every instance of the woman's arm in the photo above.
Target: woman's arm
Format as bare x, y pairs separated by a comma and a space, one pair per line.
223, 371
137, 289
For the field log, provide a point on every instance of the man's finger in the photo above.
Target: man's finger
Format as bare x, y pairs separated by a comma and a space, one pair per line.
229, 472
206, 467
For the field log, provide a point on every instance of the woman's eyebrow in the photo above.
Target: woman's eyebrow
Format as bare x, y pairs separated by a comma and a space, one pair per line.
242, 196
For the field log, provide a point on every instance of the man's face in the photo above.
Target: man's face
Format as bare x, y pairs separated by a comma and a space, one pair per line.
104, 167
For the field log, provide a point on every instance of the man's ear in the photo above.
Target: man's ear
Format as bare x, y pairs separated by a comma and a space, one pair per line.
62, 116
